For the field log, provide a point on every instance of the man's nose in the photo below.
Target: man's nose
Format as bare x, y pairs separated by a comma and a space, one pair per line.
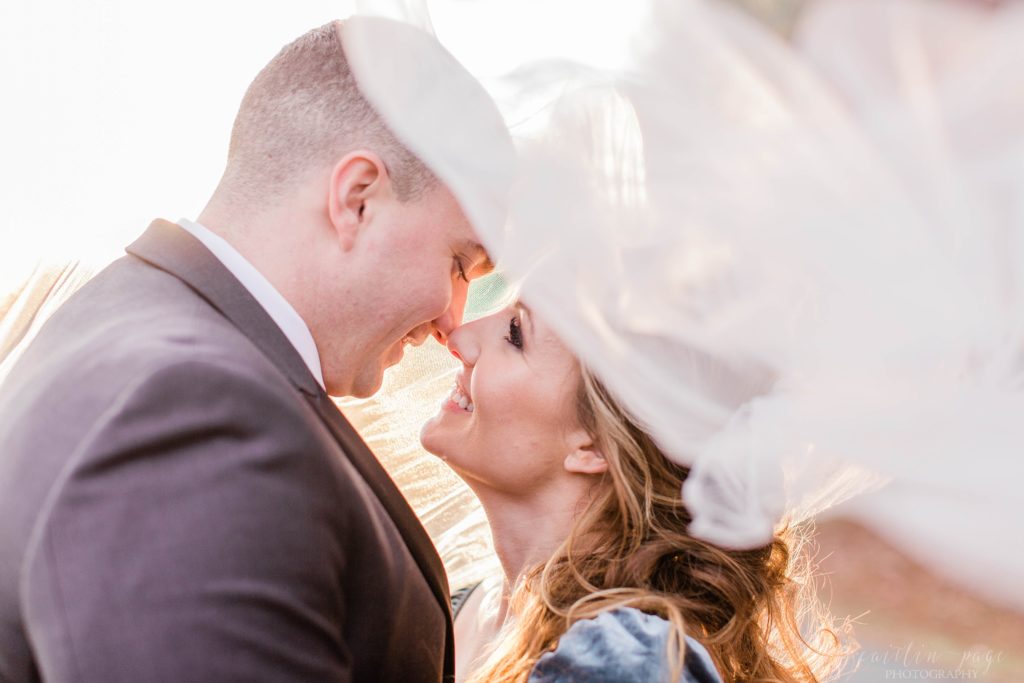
451, 318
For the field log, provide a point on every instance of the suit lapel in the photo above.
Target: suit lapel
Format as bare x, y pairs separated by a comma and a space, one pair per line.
391, 498
170, 248
416, 538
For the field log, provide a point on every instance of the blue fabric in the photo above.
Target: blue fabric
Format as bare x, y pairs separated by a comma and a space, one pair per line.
623, 645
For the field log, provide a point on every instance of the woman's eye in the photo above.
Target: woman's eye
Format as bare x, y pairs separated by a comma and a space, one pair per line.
515, 333
462, 270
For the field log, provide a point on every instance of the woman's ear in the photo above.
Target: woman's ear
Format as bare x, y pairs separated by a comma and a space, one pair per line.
357, 178
584, 457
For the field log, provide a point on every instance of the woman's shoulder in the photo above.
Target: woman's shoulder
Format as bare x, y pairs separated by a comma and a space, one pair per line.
461, 596
623, 645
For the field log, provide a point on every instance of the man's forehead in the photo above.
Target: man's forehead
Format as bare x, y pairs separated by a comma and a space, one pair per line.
466, 237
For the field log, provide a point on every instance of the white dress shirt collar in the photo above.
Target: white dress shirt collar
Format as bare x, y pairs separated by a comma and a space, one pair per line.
276, 306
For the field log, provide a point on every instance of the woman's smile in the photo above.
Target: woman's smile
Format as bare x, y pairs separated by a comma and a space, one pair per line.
459, 400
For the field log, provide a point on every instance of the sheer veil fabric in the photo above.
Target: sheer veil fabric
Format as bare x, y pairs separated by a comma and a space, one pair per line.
800, 267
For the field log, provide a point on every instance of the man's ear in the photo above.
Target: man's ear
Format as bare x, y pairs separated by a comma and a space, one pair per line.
355, 180
584, 457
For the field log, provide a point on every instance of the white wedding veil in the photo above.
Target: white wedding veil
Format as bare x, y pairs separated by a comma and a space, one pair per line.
800, 268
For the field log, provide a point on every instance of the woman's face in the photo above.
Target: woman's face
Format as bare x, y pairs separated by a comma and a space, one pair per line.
510, 422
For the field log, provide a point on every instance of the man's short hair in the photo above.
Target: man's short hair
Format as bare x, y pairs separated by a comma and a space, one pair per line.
305, 108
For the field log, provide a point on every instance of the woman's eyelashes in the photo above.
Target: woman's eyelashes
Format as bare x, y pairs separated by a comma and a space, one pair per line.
515, 333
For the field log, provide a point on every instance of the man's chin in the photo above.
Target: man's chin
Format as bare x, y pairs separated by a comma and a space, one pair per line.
364, 385
371, 379
369, 386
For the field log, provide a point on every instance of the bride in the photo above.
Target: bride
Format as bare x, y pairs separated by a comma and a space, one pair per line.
591, 532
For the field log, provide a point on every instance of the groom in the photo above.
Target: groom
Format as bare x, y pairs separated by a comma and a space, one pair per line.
180, 500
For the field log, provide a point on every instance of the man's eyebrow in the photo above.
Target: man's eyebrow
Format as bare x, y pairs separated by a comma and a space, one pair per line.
525, 314
486, 265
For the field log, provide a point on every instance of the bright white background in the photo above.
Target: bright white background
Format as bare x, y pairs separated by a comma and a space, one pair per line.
113, 113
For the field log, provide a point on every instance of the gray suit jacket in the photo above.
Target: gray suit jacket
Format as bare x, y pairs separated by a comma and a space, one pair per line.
181, 501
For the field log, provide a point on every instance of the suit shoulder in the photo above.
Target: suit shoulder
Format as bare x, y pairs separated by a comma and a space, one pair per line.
214, 390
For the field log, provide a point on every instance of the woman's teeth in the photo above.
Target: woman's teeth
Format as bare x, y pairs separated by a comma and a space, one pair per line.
461, 400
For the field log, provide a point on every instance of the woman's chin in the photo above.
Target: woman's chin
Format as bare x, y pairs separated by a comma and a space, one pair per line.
430, 437
443, 429
437, 444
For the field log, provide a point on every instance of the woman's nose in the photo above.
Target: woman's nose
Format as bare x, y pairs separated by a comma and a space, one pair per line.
461, 344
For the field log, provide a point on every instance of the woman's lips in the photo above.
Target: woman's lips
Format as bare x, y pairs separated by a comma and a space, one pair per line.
459, 400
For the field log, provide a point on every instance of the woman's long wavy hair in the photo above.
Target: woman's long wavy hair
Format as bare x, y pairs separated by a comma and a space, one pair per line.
755, 611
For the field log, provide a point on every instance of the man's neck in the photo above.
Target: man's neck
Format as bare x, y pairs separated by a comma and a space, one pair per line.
274, 275
256, 239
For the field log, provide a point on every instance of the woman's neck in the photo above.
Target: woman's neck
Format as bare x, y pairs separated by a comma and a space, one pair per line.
527, 531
